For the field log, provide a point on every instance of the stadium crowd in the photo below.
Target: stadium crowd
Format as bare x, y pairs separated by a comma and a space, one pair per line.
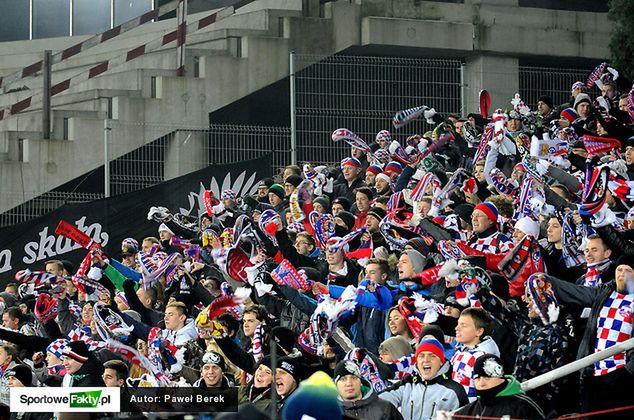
426, 275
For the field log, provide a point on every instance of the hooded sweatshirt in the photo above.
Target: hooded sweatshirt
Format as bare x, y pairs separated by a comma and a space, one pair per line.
509, 401
370, 407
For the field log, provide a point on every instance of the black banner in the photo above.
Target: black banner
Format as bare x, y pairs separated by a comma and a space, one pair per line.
113, 219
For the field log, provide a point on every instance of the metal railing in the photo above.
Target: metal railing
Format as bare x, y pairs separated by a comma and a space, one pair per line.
362, 94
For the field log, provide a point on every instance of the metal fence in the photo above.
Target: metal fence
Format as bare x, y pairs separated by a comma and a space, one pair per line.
363, 94
170, 151
552, 81
43, 204
142, 155
356, 92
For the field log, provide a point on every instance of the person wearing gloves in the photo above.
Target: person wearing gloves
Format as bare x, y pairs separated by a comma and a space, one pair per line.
357, 396
499, 395
430, 388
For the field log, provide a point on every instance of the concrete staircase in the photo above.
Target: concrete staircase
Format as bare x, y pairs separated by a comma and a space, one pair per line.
226, 61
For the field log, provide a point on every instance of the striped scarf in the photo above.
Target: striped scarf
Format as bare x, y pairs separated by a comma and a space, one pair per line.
592, 277
571, 253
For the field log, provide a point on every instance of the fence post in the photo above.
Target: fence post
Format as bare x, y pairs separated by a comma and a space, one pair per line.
106, 162
463, 92
46, 95
181, 34
293, 110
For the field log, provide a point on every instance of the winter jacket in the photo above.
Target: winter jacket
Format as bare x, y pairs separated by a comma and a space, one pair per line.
289, 315
540, 348
371, 407
259, 397
594, 298
342, 189
511, 401
89, 374
420, 399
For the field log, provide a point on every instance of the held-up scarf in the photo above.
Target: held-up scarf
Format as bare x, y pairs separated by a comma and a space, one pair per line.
593, 274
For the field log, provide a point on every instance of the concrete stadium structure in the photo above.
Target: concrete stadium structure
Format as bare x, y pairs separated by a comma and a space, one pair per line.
249, 51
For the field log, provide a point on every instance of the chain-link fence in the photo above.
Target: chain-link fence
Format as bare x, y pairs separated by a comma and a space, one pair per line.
552, 81
363, 94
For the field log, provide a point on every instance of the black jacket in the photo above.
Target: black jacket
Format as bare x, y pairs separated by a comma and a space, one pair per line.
87, 375
595, 298
371, 407
509, 402
342, 189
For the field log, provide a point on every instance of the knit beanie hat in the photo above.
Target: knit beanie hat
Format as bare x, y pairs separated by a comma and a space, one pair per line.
348, 218
290, 365
22, 373
316, 398
393, 167
350, 161
348, 367
345, 203
528, 226
77, 350
419, 245
385, 177
373, 169
582, 97
396, 347
433, 330
278, 190
464, 211
163, 228
284, 337
489, 209
547, 100
433, 346
377, 212
324, 201
569, 114
577, 85
488, 366
213, 358
57, 347
417, 259
294, 180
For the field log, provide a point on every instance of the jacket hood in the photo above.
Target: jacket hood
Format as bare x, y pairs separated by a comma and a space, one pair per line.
368, 398
488, 346
512, 388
